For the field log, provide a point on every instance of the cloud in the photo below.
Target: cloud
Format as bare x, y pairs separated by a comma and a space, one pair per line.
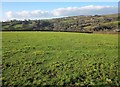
9, 14
86, 10
33, 14
23, 14
62, 12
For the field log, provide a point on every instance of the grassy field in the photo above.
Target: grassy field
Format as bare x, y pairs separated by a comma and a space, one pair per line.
57, 58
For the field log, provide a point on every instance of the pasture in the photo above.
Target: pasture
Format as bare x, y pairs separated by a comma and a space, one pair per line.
59, 58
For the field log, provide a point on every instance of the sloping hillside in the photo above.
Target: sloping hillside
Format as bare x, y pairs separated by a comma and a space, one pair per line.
96, 23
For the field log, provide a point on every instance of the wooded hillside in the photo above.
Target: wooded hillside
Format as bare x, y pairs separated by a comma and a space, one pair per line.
96, 23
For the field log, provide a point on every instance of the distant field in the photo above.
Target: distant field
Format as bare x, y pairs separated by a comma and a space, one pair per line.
57, 58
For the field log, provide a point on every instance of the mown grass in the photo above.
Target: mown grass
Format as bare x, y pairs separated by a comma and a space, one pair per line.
57, 58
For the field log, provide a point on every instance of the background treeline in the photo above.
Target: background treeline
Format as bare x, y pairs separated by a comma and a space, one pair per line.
90, 23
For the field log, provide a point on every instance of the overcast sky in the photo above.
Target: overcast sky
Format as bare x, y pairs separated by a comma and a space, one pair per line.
43, 10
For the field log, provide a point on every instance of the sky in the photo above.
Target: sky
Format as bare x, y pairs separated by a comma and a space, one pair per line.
60, 0
44, 10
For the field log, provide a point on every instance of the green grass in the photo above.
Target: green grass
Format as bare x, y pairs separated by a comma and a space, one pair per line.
57, 58
18, 26
115, 23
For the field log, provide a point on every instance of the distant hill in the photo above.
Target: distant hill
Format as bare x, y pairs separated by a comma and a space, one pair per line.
96, 23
